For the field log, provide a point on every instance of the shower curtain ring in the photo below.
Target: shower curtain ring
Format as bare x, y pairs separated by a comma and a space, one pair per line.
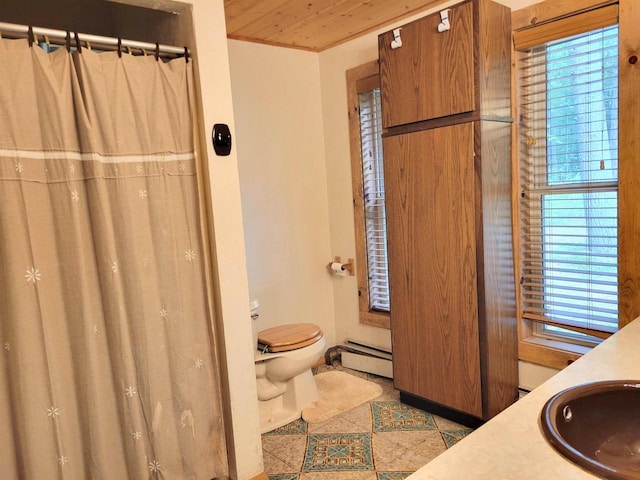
78, 46
186, 54
157, 51
30, 36
119, 47
67, 42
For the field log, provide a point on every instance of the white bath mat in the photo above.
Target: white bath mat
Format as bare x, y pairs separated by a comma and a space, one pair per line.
339, 392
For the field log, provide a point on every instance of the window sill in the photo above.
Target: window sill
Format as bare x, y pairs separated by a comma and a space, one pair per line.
550, 353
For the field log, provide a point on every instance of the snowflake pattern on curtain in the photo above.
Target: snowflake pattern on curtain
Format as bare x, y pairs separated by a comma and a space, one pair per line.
107, 327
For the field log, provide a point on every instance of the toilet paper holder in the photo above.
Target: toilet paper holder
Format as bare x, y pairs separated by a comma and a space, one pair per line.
342, 267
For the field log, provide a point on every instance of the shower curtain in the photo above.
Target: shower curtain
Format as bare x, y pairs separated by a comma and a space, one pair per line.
107, 359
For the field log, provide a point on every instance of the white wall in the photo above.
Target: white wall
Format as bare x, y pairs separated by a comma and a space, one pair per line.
283, 178
231, 296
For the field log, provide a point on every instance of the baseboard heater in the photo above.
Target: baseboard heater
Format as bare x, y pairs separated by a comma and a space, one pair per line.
363, 357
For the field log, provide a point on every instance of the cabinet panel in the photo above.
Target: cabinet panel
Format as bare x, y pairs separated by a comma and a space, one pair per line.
496, 283
432, 74
429, 185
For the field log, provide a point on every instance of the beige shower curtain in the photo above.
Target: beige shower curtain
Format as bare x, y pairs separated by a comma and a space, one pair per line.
107, 364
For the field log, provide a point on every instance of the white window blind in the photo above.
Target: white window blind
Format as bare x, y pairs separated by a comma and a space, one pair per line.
568, 137
373, 194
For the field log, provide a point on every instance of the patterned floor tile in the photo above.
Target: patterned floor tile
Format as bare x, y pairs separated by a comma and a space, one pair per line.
393, 457
338, 452
379, 440
290, 449
412, 439
297, 426
346, 475
446, 424
393, 475
390, 416
344, 423
389, 393
274, 466
451, 437
360, 416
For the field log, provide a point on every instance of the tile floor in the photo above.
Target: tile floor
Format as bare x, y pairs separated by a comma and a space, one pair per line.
383, 439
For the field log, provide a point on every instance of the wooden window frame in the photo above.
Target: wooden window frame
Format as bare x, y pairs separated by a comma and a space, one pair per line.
362, 78
553, 353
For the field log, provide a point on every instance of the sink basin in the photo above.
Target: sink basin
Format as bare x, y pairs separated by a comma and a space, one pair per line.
597, 426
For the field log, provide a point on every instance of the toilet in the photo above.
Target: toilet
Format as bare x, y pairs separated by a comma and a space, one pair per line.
283, 361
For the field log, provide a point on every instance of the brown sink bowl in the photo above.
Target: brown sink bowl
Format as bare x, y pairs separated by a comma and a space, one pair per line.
597, 426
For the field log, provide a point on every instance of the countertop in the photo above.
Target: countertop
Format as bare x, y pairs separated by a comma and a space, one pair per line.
511, 445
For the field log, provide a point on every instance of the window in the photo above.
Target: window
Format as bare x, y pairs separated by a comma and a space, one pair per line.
365, 126
373, 199
568, 167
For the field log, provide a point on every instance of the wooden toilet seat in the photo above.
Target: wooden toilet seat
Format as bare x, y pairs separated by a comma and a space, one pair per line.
285, 338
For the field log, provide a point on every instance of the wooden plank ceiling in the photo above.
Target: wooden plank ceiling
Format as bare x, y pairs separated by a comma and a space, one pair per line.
313, 25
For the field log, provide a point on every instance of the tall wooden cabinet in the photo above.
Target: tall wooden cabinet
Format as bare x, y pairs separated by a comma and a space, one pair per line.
445, 101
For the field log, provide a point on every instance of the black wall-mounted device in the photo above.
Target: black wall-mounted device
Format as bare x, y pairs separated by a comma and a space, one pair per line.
221, 137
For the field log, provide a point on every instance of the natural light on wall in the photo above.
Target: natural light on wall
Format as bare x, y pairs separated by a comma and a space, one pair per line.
568, 158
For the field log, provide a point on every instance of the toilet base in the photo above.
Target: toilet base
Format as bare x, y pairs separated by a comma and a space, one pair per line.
301, 391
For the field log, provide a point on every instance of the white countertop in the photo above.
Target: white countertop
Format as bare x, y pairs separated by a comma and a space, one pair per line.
511, 445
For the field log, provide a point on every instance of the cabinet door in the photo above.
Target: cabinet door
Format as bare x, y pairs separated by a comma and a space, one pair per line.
431, 75
429, 189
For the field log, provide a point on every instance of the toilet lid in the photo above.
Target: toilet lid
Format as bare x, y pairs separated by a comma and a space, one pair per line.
288, 337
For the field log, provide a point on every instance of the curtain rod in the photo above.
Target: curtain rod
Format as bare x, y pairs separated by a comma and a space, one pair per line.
92, 39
